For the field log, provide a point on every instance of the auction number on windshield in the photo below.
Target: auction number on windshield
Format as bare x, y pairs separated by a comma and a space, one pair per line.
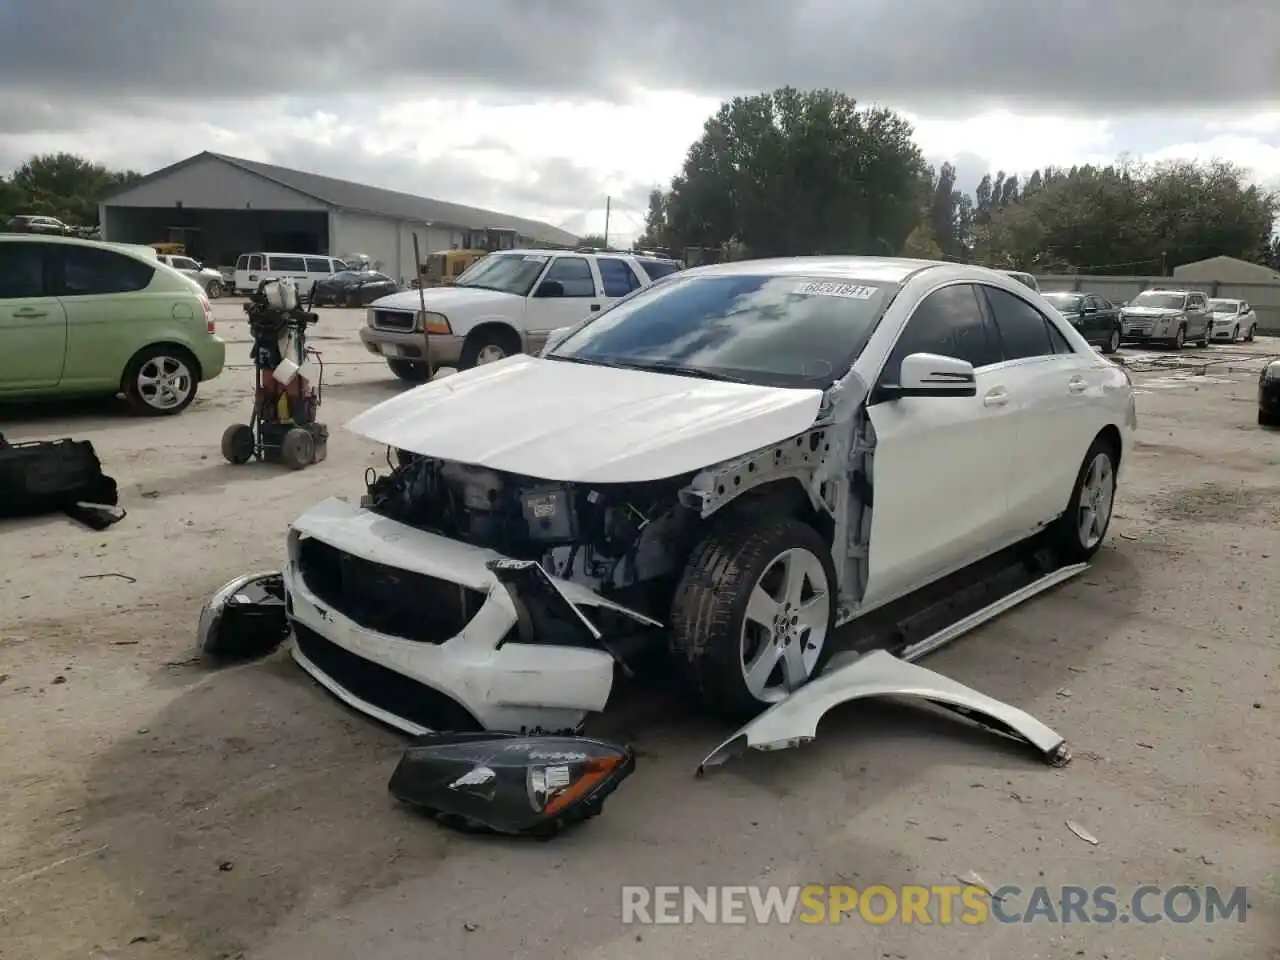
829, 288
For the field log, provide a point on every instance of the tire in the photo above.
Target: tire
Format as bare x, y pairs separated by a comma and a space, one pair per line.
488, 346
1248, 337
154, 366
1235, 334
408, 371
214, 290
237, 443
1268, 419
1180, 339
297, 449
713, 635
1073, 545
1113, 344
1203, 340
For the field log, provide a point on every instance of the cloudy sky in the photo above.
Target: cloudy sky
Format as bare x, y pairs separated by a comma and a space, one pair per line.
542, 108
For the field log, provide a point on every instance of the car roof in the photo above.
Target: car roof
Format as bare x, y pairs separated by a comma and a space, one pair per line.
882, 269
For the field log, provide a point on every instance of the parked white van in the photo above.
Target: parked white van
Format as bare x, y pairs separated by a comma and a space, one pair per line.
305, 269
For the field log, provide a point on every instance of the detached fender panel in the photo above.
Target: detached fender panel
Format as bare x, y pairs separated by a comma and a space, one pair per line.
880, 674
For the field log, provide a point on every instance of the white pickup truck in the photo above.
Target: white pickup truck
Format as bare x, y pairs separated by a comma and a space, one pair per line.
504, 304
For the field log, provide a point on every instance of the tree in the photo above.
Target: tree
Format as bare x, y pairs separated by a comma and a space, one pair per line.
655, 236
61, 185
595, 240
792, 172
922, 245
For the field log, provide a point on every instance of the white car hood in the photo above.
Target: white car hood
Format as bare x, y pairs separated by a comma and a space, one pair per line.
587, 424
448, 299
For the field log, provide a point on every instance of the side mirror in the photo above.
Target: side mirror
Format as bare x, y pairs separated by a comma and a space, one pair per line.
549, 288
932, 375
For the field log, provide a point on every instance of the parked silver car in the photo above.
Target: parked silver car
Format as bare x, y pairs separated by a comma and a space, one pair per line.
215, 285
1167, 316
1233, 320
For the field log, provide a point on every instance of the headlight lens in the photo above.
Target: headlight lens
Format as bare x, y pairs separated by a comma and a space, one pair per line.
431, 322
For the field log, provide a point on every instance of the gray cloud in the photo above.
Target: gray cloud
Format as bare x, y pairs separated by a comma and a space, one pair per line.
931, 55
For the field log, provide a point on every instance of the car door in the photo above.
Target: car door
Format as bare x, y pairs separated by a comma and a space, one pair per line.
1053, 391
1108, 318
1199, 317
109, 316
579, 296
941, 464
1093, 325
33, 324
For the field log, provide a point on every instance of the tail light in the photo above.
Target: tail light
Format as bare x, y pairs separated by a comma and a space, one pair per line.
205, 305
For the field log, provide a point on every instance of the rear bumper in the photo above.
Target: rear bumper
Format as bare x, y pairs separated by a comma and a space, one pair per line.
213, 357
417, 685
445, 349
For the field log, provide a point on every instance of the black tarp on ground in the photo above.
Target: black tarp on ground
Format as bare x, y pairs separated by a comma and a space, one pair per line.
56, 476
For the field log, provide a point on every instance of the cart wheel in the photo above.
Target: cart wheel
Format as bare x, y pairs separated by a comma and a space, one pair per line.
237, 443
298, 449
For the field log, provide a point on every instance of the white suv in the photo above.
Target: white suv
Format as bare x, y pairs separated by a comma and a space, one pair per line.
504, 304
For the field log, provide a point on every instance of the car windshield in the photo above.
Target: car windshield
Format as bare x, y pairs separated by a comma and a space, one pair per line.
508, 273
1224, 306
1067, 302
1161, 301
775, 331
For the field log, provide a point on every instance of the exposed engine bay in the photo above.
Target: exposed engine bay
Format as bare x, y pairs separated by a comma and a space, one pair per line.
607, 537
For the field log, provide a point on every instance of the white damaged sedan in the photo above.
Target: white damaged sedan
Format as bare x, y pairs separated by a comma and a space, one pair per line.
729, 465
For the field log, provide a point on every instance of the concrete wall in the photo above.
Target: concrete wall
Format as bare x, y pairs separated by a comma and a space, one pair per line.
219, 236
389, 243
1263, 297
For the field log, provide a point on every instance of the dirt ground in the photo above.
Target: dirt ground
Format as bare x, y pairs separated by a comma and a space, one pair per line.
153, 808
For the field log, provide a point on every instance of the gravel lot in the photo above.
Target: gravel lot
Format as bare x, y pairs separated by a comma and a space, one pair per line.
152, 808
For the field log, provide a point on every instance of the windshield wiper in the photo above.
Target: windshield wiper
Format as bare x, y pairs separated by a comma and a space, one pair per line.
680, 369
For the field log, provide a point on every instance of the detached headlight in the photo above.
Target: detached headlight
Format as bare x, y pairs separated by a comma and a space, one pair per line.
510, 783
246, 617
430, 322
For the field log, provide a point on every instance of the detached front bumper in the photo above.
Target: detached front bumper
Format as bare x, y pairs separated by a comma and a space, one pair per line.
479, 676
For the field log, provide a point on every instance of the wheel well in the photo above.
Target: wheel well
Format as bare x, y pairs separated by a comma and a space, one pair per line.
498, 331
785, 496
177, 348
1111, 437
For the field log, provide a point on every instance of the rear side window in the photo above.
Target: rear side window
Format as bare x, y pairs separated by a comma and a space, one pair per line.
318, 265
948, 322
88, 271
21, 271
657, 269
618, 278
1058, 341
255, 262
1024, 330
287, 264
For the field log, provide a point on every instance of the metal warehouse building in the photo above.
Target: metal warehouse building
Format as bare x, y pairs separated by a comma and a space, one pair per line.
222, 206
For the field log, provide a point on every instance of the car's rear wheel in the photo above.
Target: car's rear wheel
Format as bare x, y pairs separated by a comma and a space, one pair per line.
408, 371
161, 381
215, 289
1083, 526
753, 614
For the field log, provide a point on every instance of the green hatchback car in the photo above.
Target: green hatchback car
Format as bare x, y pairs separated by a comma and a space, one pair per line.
84, 317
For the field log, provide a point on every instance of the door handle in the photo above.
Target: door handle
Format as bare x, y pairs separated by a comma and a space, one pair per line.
1077, 384
595, 308
30, 312
996, 397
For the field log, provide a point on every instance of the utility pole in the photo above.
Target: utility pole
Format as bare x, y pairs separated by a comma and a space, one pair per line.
608, 203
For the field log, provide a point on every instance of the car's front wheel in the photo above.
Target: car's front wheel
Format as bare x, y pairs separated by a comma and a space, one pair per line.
753, 614
409, 372
215, 289
1248, 337
1083, 527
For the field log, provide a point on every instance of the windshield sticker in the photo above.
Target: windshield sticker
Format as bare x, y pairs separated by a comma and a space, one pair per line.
535, 259
829, 288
